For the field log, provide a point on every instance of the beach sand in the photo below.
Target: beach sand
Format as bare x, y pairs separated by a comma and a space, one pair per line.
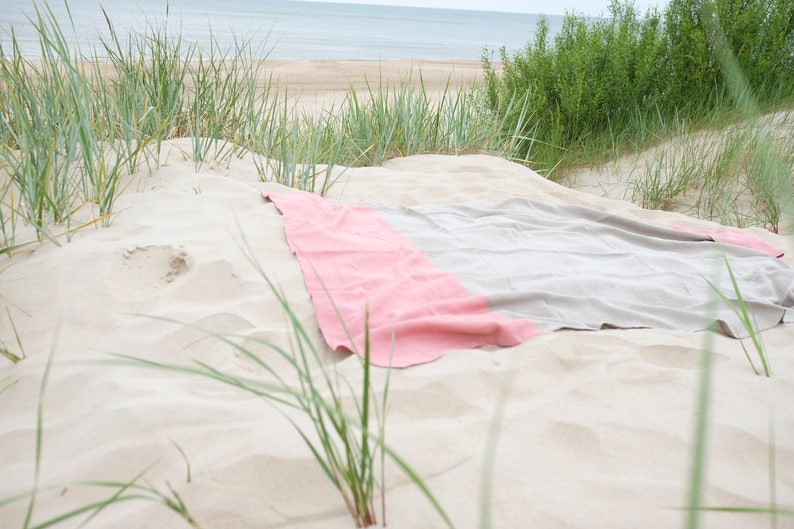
597, 427
317, 85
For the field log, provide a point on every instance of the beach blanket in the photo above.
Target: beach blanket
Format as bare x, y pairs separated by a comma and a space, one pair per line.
428, 279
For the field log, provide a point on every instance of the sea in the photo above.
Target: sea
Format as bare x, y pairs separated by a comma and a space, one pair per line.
281, 29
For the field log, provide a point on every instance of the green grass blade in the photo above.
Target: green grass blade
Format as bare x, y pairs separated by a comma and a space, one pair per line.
742, 311
40, 430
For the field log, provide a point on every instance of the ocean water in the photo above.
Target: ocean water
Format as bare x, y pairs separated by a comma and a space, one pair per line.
286, 29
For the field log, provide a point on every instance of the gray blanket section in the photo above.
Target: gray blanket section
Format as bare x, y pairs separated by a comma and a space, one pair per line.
579, 268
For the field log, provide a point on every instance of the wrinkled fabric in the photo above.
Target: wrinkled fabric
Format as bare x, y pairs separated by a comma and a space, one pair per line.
428, 279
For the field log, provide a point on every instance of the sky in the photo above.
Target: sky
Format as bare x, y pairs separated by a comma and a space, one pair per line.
546, 7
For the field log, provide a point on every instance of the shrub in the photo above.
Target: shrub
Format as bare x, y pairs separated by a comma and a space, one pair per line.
604, 81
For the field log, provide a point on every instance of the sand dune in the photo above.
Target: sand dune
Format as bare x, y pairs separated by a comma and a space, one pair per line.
597, 429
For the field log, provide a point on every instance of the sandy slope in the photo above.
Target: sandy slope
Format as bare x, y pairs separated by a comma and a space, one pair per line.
597, 428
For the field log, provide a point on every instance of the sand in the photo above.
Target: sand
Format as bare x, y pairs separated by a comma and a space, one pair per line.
316, 85
597, 428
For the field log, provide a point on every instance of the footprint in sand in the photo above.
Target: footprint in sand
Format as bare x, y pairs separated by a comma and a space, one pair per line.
146, 269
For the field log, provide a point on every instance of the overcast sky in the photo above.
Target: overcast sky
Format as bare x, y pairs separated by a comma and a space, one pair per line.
546, 7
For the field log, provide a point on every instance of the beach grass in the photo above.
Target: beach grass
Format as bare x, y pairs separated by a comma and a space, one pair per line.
746, 317
734, 174
346, 432
696, 507
75, 128
5, 351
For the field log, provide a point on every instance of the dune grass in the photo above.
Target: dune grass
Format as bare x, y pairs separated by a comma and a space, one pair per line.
745, 315
735, 175
695, 507
346, 440
5, 351
345, 446
74, 127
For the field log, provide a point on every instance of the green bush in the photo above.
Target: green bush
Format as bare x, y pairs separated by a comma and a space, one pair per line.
758, 33
606, 81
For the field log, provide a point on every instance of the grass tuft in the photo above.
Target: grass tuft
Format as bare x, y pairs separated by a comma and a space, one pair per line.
744, 313
346, 440
121, 491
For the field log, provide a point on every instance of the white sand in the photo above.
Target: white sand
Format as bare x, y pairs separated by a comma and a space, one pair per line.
323, 84
598, 426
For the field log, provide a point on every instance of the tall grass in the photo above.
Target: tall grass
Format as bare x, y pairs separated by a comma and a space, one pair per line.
73, 127
746, 317
144, 95
297, 149
40, 146
59, 137
4, 350
735, 174
699, 455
